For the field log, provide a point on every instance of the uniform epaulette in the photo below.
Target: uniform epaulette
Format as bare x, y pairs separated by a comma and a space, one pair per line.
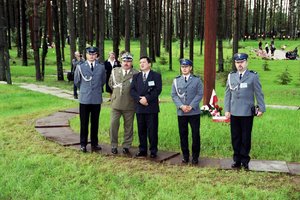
178, 76
253, 71
232, 72
195, 76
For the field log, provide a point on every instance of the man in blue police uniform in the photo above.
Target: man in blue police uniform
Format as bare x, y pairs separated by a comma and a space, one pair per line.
90, 78
145, 89
241, 89
187, 92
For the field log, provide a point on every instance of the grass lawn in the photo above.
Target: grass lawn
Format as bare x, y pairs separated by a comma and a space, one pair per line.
34, 168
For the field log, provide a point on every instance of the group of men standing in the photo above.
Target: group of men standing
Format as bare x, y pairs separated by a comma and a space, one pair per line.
134, 92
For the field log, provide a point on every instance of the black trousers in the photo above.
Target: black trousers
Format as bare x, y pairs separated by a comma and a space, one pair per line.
147, 127
194, 121
241, 128
87, 111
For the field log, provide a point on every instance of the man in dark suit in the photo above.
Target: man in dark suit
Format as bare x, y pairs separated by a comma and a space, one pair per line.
145, 89
90, 78
243, 86
110, 64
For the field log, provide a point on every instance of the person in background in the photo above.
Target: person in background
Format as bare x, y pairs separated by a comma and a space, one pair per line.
145, 89
76, 61
243, 86
122, 104
110, 64
90, 78
187, 92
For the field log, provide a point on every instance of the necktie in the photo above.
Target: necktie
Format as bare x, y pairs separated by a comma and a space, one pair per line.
125, 73
92, 67
185, 79
240, 76
144, 77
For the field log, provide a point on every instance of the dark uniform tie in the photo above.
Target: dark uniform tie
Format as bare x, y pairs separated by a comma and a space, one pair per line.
241, 76
92, 67
144, 77
125, 73
185, 79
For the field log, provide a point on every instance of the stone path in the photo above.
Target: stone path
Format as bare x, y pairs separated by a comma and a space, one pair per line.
56, 128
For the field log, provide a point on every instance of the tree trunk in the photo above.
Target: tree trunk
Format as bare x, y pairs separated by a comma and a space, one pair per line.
8, 17
4, 53
143, 28
235, 44
171, 34
201, 26
192, 29
168, 28
24, 33
151, 30
137, 19
102, 29
210, 49
36, 40
60, 73
127, 25
158, 28
220, 37
81, 26
116, 28
182, 10
71, 27
45, 43
63, 26
18, 27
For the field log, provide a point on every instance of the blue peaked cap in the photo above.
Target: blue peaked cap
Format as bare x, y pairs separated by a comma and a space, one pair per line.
184, 61
91, 50
240, 56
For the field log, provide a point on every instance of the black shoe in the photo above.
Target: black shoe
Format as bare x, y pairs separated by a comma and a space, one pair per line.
185, 160
75, 96
83, 149
195, 161
114, 150
125, 150
245, 166
141, 154
96, 148
236, 165
153, 155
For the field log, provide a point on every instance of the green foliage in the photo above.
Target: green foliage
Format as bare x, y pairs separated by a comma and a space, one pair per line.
284, 78
266, 66
163, 60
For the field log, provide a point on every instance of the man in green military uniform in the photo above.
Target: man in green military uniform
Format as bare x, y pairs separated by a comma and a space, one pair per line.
122, 104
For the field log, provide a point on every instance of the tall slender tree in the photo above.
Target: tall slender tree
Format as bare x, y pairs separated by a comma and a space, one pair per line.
115, 4
192, 28
101, 29
24, 33
182, 14
220, 36
71, 28
36, 40
4, 53
60, 73
171, 34
127, 25
143, 27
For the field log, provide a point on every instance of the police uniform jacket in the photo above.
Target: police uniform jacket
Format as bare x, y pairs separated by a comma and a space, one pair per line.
187, 93
90, 82
151, 89
239, 94
121, 98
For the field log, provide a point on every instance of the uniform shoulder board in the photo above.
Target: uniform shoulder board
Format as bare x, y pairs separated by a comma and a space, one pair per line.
178, 76
232, 72
253, 71
195, 76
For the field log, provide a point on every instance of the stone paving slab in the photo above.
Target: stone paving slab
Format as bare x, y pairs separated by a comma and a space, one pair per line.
62, 135
106, 150
294, 168
71, 110
58, 119
259, 165
203, 162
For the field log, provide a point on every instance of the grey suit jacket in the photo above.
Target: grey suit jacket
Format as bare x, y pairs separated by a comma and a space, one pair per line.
121, 98
90, 82
239, 94
188, 93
